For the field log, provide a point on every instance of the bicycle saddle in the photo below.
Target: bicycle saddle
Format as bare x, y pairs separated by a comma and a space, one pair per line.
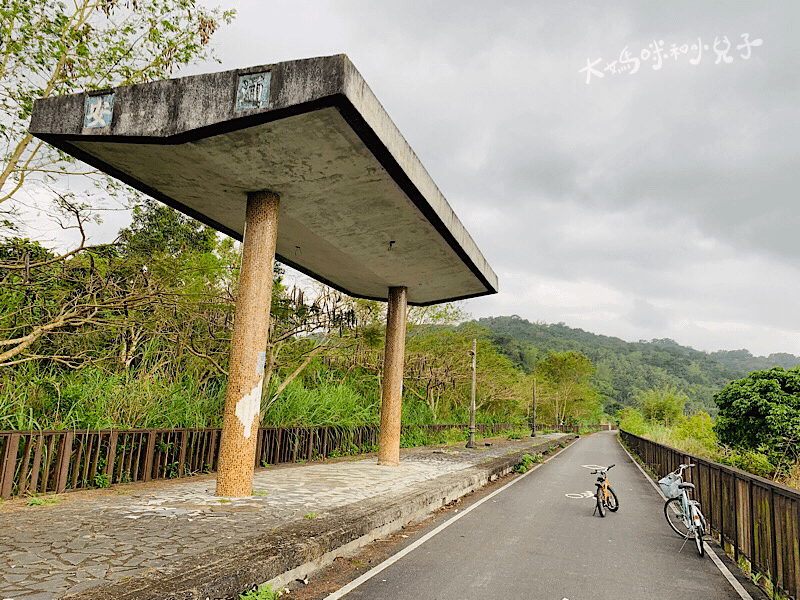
686, 486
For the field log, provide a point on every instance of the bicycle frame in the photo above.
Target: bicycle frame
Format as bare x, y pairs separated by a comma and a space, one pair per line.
602, 484
690, 515
690, 508
606, 498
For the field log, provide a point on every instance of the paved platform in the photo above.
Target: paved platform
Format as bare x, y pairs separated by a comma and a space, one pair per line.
175, 539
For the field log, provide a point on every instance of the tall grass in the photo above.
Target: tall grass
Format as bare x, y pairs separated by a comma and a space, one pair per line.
32, 397
92, 399
327, 404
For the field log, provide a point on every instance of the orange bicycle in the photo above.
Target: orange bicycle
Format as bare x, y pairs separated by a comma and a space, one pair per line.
606, 497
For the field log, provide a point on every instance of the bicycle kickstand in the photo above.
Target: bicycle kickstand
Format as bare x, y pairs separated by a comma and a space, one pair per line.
686, 539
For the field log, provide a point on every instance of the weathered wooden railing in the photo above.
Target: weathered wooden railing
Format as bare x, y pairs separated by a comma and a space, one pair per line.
33, 462
752, 517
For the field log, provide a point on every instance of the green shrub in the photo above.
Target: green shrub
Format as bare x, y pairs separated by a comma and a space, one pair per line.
456, 435
695, 435
326, 404
752, 461
761, 413
524, 464
262, 592
632, 421
413, 437
518, 433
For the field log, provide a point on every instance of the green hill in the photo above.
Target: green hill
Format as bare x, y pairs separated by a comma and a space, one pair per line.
623, 367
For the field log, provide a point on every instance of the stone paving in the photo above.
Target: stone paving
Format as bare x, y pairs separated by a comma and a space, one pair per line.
87, 538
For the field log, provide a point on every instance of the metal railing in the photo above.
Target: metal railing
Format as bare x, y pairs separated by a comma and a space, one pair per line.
35, 462
752, 517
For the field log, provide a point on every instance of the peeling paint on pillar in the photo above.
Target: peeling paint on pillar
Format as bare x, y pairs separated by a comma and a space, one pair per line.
249, 406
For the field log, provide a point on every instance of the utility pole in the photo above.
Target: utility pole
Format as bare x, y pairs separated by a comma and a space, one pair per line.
474, 353
533, 410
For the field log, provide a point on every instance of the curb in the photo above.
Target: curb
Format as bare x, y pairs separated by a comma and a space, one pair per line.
301, 547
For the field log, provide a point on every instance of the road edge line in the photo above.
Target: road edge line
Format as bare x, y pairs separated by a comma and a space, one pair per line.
726, 573
413, 546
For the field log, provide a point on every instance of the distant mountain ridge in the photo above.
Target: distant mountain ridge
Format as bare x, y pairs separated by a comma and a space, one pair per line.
625, 367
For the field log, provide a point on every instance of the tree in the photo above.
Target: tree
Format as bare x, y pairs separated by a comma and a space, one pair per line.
157, 228
52, 47
104, 301
663, 405
567, 392
631, 420
762, 413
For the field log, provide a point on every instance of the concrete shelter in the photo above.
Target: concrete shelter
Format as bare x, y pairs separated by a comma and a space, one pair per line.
304, 155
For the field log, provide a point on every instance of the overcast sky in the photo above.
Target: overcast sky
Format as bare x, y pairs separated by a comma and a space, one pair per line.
649, 202
629, 168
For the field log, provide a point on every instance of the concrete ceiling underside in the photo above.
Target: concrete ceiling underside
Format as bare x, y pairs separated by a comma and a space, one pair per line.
358, 211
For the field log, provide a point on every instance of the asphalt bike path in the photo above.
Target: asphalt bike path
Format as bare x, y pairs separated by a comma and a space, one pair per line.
539, 538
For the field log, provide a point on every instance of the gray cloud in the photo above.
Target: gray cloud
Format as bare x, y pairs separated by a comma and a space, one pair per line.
659, 204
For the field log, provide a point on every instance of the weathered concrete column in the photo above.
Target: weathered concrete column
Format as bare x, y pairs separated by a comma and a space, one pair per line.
237, 449
392, 389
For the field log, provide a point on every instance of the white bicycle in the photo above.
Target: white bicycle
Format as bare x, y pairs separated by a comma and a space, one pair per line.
682, 513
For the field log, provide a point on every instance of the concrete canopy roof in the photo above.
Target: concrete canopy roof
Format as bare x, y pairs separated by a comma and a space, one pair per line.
358, 210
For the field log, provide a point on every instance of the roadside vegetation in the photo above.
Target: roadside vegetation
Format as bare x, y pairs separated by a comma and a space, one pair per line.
757, 428
136, 333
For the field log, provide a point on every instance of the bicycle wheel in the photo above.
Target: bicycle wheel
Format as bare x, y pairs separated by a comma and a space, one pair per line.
698, 539
702, 519
673, 511
613, 502
601, 506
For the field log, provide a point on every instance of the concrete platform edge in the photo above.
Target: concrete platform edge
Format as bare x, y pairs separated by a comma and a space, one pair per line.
300, 548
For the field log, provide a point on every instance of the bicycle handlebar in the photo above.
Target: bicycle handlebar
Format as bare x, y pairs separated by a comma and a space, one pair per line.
679, 470
603, 471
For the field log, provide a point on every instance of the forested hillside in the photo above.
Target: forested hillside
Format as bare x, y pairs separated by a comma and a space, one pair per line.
623, 367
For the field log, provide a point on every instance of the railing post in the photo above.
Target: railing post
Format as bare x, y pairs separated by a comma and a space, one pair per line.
48, 457
148, 457
182, 458
773, 544
474, 353
64, 454
752, 524
260, 437
9, 465
111, 461
26, 464
37, 463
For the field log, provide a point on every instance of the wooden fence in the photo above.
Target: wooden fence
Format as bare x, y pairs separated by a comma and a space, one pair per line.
34, 462
752, 517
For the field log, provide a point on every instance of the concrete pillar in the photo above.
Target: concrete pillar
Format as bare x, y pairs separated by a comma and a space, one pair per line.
237, 449
392, 389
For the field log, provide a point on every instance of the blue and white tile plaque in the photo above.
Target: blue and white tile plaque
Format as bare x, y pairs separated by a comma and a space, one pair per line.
98, 111
253, 91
